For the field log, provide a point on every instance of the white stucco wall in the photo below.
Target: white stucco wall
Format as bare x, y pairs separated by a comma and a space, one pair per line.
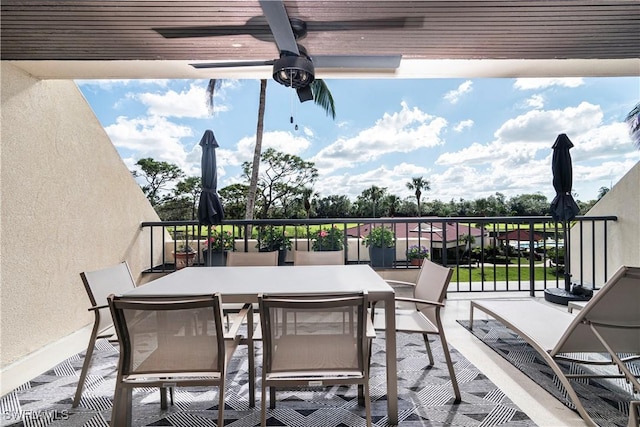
68, 205
623, 235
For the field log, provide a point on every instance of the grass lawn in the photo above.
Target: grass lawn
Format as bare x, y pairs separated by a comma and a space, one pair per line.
499, 274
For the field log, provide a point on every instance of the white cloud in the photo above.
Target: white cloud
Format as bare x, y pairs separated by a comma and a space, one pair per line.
279, 140
403, 131
154, 137
543, 126
541, 83
536, 101
190, 103
462, 125
454, 96
352, 185
110, 84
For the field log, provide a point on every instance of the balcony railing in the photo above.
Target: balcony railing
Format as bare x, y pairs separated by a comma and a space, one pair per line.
487, 253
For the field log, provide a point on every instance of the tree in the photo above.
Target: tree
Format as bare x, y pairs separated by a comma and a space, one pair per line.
321, 96
158, 176
366, 202
334, 206
602, 191
418, 184
234, 199
284, 176
190, 188
633, 121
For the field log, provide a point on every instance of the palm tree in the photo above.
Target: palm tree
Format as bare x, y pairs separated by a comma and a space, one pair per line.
418, 184
633, 120
374, 193
321, 96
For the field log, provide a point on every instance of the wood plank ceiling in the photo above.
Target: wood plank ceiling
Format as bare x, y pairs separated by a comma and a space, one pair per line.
90, 30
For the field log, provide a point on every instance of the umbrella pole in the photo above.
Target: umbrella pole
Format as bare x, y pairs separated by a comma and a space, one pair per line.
567, 258
209, 254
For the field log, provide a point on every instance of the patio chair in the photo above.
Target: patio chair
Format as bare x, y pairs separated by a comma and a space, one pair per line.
318, 257
170, 342
252, 258
423, 317
307, 342
99, 285
240, 259
608, 324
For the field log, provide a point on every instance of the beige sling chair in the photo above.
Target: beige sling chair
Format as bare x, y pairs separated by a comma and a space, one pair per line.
307, 342
423, 317
609, 324
170, 342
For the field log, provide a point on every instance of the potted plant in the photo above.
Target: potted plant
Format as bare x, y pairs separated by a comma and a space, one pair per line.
184, 256
381, 242
331, 239
272, 238
416, 254
216, 247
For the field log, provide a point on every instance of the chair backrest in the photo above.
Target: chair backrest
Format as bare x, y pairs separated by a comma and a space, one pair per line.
433, 281
252, 258
321, 333
99, 284
318, 257
169, 335
616, 304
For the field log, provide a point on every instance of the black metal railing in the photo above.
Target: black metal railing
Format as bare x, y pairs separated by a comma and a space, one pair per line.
486, 253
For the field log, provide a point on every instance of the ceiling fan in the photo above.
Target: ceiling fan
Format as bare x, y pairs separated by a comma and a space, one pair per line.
294, 68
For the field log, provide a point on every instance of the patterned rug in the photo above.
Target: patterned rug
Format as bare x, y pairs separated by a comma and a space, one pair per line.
425, 396
606, 400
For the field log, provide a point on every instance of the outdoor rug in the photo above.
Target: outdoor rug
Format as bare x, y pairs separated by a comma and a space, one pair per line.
425, 396
606, 400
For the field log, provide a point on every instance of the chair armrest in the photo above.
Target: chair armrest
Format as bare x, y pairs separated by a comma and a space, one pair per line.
420, 301
400, 282
97, 307
247, 310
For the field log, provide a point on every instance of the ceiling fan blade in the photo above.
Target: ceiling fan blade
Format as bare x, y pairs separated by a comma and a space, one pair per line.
357, 61
280, 26
231, 64
258, 29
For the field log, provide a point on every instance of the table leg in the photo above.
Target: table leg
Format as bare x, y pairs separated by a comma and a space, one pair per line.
392, 360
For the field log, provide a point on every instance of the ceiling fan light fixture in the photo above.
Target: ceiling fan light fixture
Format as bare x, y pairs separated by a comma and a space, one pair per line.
293, 71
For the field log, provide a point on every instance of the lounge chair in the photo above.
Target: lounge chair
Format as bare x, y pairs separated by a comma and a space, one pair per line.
609, 323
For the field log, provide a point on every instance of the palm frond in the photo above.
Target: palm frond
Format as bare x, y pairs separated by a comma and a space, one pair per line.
322, 97
633, 121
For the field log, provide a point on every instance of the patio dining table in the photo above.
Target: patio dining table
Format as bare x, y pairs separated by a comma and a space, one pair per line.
244, 284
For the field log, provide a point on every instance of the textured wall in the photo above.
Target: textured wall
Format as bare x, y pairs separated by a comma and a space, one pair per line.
69, 204
623, 236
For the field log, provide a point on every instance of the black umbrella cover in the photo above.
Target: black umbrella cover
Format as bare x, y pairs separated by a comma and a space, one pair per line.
563, 207
210, 209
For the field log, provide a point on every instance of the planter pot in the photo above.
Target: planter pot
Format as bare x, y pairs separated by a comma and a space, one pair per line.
282, 255
215, 258
183, 259
416, 261
382, 257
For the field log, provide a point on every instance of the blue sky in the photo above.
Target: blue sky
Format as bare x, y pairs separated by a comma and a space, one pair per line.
469, 138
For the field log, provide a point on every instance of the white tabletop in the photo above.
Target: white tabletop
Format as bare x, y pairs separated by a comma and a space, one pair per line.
243, 284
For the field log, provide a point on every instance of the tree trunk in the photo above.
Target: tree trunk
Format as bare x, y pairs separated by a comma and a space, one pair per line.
253, 185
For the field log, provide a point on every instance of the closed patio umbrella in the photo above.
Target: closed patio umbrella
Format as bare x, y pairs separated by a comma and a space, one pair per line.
210, 210
563, 207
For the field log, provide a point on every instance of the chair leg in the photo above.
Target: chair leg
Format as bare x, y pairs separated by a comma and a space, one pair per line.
425, 337
85, 370
263, 405
121, 414
221, 404
272, 397
452, 373
367, 401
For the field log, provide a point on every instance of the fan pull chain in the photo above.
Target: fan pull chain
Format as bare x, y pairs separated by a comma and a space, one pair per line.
291, 105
